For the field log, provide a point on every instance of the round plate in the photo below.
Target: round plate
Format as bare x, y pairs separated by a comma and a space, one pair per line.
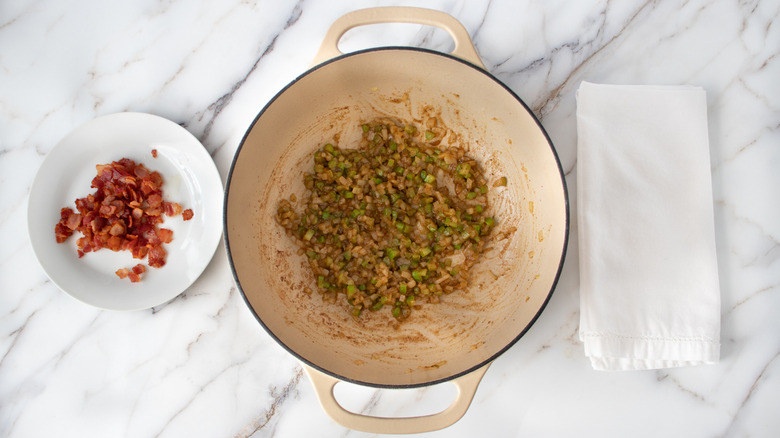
190, 179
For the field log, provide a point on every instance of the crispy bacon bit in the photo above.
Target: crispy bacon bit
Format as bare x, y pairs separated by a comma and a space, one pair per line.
154, 153
165, 235
73, 221
118, 228
157, 256
122, 272
62, 230
187, 214
172, 208
134, 274
122, 215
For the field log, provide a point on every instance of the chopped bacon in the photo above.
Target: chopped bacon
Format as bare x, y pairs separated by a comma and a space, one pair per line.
114, 243
73, 221
134, 274
118, 228
172, 208
154, 153
122, 215
157, 256
154, 200
63, 228
139, 252
165, 235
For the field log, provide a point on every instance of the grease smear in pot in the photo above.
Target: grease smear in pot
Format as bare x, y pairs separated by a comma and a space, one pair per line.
395, 222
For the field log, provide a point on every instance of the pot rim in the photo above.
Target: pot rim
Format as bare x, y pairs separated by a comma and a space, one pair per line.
468, 370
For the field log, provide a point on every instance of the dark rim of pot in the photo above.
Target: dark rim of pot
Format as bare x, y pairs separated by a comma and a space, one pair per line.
461, 373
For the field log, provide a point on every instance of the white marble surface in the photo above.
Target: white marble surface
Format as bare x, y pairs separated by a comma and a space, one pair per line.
202, 366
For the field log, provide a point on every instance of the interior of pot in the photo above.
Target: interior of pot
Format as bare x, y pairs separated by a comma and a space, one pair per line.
439, 341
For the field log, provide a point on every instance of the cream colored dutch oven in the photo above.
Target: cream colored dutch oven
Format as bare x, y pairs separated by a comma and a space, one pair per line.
457, 339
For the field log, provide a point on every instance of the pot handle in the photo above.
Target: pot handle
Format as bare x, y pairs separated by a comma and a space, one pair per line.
464, 48
324, 385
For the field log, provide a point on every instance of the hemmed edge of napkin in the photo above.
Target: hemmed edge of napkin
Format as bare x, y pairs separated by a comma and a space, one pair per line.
613, 352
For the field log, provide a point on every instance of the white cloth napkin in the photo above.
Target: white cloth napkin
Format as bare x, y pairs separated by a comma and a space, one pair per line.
649, 291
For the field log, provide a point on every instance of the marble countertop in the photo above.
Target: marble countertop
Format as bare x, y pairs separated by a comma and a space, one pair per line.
201, 365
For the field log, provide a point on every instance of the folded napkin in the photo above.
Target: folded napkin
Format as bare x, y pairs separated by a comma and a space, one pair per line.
649, 291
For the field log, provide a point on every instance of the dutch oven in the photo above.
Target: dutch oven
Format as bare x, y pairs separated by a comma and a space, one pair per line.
457, 339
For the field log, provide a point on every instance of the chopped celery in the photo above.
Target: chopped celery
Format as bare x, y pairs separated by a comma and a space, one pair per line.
419, 274
377, 216
379, 303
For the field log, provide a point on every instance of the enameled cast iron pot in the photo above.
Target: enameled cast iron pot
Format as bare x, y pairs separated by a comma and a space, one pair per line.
454, 340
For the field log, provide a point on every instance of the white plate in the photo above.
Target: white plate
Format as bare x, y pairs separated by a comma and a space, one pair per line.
190, 179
